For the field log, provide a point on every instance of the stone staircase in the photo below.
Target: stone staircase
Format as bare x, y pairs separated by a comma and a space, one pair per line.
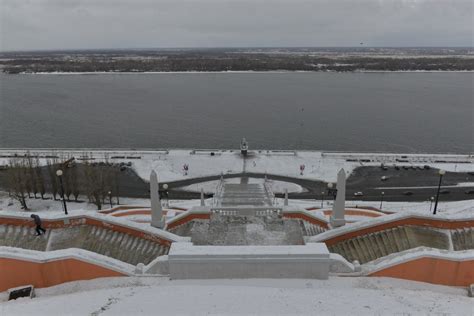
311, 229
463, 238
379, 244
247, 230
239, 194
22, 237
118, 245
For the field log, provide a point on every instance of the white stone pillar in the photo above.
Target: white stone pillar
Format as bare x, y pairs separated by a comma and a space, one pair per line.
157, 219
338, 208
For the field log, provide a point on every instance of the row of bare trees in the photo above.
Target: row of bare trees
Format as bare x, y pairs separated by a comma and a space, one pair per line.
28, 178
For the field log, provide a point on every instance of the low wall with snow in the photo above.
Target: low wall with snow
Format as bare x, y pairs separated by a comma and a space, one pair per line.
43, 269
187, 261
427, 265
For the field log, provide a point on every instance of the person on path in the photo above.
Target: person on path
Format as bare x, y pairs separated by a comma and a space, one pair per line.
37, 220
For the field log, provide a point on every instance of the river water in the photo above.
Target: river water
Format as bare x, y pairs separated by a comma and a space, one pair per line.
397, 112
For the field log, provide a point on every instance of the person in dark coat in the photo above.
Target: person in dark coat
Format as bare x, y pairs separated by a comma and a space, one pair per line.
37, 220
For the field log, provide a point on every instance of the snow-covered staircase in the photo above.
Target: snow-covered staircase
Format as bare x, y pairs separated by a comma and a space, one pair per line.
239, 194
115, 244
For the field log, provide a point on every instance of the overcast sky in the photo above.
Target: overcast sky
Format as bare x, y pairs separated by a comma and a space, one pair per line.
70, 24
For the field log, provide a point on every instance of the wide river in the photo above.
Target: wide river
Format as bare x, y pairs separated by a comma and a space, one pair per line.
397, 112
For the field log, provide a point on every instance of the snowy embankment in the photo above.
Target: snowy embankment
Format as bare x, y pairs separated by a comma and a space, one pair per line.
317, 165
336, 296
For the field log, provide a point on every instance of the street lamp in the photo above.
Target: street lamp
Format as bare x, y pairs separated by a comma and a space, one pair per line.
165, 194
110, 198
441, 174
59, 173
322, 199
381, 199
332, 191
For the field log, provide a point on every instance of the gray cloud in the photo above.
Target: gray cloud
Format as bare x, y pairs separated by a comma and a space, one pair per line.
68, 24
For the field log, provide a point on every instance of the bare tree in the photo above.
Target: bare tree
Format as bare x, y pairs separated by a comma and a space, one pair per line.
40, 178
51, 165
17, 181
32, 175
74, 181
94, 180
116, 183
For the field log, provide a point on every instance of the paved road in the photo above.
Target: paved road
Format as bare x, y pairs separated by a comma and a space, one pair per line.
422, 183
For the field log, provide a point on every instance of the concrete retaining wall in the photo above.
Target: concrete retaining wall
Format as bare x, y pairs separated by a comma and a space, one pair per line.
20, 267
427, 265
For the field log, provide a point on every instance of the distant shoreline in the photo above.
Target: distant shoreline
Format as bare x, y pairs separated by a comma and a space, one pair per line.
236, 72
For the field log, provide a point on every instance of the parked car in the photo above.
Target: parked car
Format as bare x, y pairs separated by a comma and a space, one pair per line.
396, 167
358, 194
384, 178
444, 192
408, 193
469, 191
427, 167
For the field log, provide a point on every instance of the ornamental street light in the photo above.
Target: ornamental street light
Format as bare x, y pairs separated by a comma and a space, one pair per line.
431, 202
381, 199
441, 174
322, 199
165, 194
110, 198
59, 173
331, 190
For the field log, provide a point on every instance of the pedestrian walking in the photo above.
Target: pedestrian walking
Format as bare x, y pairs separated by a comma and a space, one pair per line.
37, 220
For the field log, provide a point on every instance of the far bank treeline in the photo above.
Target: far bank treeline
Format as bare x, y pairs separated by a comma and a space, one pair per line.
231, 62
27, 178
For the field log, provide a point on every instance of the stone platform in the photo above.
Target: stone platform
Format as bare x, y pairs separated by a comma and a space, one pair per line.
187, 261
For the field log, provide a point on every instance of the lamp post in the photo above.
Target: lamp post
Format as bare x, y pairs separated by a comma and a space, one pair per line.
441, 174
332, 191
381, 199
59, 173
431, 202
322, 199
165, 194
110, 198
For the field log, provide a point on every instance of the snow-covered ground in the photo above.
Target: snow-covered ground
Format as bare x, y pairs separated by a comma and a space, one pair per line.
318, 165
9, 205
153, 296
455, 208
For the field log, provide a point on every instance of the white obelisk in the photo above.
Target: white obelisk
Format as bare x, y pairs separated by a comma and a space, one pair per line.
338, 208
157, 219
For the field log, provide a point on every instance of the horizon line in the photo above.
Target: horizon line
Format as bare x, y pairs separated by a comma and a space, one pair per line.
224, 47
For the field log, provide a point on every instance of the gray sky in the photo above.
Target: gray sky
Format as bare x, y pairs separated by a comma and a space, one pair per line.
69, 24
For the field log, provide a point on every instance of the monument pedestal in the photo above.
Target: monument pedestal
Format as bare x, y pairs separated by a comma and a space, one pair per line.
334, 222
